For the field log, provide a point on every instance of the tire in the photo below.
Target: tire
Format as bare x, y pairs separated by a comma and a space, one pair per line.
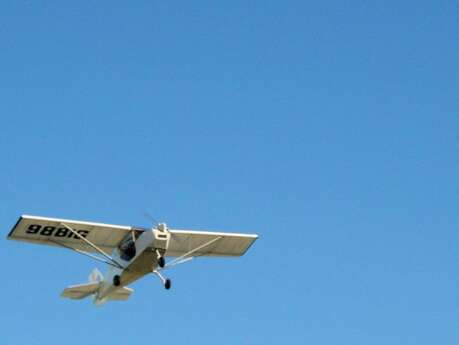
117, 280
161, 262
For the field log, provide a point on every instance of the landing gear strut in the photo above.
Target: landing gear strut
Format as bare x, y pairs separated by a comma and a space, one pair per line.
166, 281
160, 258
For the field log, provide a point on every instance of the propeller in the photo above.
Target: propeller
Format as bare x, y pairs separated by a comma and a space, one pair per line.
150, 217
161, 260
159, 226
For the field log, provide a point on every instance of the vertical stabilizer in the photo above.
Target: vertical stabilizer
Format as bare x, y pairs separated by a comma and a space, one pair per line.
95, 276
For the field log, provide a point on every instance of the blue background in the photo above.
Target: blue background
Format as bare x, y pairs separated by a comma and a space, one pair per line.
328, 128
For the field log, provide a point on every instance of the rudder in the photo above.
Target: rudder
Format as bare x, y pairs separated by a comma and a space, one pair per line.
95, 276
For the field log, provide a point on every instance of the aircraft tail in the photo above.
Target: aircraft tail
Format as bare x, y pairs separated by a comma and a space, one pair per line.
92, 288
84, 290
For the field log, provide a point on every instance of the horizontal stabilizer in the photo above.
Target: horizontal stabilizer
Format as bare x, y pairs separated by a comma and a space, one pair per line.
121, 294
80, 291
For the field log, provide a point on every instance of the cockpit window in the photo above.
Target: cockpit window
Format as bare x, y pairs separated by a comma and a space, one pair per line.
127, 246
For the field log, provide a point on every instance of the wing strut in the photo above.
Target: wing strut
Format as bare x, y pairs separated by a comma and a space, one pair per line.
186, 257
92, 245
180, 260
85, 253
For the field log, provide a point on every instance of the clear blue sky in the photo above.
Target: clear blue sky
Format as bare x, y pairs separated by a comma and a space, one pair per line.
329, 128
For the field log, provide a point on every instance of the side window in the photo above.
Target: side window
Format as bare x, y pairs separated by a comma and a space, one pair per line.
127, 247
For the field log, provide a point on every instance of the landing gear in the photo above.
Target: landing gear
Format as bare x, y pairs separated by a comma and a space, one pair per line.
166, 281
167, 284
117, 280
161, 261
160, 258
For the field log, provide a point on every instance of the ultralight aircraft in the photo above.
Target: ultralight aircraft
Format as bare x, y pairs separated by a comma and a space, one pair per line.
131, 252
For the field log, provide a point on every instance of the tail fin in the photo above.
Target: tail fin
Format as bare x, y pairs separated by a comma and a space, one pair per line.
95, 282
95, 276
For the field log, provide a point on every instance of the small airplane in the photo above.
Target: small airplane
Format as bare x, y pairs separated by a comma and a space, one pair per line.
131, 252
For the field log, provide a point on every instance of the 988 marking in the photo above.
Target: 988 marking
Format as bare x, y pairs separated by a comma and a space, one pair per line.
36, 229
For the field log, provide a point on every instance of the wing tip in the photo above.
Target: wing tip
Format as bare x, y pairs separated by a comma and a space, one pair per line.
250, 245
14, 227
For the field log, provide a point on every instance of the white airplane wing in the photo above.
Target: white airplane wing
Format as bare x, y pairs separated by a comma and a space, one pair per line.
51, 231
203, 243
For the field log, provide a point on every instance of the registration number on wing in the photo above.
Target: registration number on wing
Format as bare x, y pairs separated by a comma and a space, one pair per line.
36, 229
